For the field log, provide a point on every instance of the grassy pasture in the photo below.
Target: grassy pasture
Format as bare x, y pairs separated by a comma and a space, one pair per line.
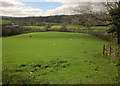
33, 27
75, 27
80, 27
69, 27
4, 22
57, 58
56, 27
100, 28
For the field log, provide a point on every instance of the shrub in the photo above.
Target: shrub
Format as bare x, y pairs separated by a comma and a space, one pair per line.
10, 31
63, 28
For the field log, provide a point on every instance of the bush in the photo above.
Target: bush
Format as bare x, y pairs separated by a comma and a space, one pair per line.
63, 28
10, 31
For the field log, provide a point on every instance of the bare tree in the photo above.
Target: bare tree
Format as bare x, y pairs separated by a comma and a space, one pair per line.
90, 13
113, 8
87, 10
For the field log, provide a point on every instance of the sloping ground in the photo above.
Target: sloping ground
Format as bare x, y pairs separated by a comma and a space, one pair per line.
5, 22
57, 58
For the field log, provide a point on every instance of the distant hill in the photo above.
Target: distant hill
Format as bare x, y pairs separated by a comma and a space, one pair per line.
98, 19
34, 20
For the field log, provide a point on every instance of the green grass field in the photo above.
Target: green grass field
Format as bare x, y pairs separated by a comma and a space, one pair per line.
80, 27
100, 28
75, 27
33, 27
57, 58
56, 27
2, 21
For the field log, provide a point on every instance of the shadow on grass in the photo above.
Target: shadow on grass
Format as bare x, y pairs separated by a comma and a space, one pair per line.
26, 73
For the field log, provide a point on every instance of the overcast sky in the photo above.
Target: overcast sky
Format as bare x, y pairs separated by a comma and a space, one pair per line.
23, 8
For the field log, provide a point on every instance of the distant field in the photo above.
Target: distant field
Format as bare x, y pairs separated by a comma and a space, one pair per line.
75, 27
57, 58
69, 27
56, 27
100, 28
33, 27
5, 22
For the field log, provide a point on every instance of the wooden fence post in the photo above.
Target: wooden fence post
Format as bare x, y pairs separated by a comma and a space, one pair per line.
103, 49
110, 50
